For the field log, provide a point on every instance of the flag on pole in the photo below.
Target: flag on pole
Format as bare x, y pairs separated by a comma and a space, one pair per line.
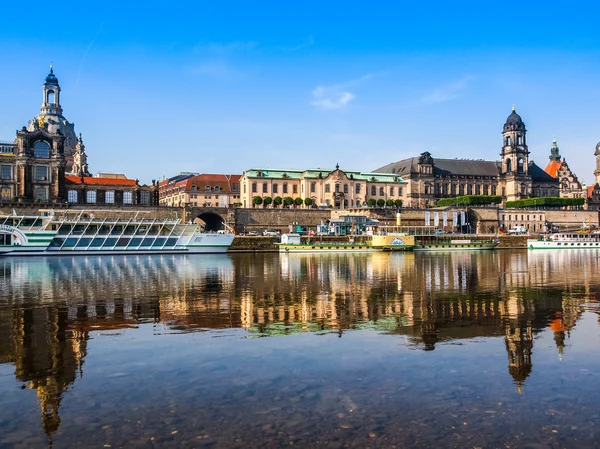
436, 219
427, 218
455, 219
445, 219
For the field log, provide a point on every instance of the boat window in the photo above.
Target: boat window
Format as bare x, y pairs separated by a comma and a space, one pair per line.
84, 242
129, 230
123, 241
116, 230
147, 241
109, 242
64, 230
160, 241
56, 242
172, 241
5, 239
135, 242
96, 243
70, 242
104, 230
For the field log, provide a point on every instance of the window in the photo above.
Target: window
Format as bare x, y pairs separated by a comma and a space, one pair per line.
294, 188
477, 190
285, 187
373, 190
337, 188
41, 150
40, 193
194, 188
358, 188
327, 188
145, 197
41, 173
128, 197
51, 97
109, 197
381, 191
254, 189
217, 189
5, 193
207, 188
265, 187
275, 188
6, 172
91, 197
345, 188
72, 196
391, 191
313, 187
399, 191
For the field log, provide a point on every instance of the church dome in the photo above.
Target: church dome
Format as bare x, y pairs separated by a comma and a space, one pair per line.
598, 147
51, 78
514, 121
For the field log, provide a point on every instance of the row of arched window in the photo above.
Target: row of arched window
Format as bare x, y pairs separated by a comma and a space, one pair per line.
207, 188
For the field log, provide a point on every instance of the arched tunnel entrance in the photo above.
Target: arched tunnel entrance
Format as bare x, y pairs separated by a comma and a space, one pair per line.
212, 222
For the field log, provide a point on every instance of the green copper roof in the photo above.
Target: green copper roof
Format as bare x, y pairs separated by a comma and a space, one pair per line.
314, 173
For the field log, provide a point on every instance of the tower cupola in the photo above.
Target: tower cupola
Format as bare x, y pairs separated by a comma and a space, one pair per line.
51, 95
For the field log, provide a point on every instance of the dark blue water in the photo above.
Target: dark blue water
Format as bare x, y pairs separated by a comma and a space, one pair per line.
496, 349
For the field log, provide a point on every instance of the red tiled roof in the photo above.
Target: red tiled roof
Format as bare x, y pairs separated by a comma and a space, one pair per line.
552, 168
89, 180
590, 191
225, 182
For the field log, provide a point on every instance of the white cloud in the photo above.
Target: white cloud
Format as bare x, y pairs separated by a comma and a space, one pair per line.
309, 42
448, 91
330, 97
338, 96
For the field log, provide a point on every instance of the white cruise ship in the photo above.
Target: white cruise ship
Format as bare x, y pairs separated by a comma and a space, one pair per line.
566, 240
96, 232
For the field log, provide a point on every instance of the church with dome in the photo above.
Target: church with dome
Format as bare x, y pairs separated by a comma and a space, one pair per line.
513, 177
47, 163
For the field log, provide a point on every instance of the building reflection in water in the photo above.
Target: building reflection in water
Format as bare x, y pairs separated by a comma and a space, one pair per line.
49, 307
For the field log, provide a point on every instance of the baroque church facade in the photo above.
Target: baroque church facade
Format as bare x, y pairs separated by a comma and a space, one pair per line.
514, 177
47, 163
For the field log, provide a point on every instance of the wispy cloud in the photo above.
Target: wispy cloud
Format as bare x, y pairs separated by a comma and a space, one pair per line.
448, 91
223, 48
338, 96
86, 52
309, 42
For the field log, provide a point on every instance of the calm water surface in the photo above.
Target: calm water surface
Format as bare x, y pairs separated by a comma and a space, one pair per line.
494, 349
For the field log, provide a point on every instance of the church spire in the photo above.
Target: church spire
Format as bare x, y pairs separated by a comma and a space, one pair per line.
554, 152
51, 95
80, 165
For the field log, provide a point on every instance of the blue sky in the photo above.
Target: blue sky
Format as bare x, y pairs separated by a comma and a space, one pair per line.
224, 88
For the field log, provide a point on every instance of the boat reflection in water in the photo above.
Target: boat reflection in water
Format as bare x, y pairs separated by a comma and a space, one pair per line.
50, 308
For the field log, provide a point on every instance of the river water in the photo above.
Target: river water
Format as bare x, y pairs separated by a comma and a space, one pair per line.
491, 349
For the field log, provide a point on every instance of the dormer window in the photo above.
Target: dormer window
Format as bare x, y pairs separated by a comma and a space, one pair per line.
194, 188
217, 189
207, 188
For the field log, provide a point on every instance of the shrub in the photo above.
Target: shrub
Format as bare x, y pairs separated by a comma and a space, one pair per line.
257, 201
267, 200
277, 201
470, 200
288, 201
398, 203
389, 203
546, 201
371, 202
380, 202
298, 201
308, 202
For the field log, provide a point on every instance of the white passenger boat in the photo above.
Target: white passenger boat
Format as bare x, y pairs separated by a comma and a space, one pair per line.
95, 232
566, 240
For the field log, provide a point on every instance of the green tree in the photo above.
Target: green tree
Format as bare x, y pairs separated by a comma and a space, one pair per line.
380, 202
389, 203
267, 200
398, 203
298, 201
288, 200
257, 201
308, 202
371, 202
